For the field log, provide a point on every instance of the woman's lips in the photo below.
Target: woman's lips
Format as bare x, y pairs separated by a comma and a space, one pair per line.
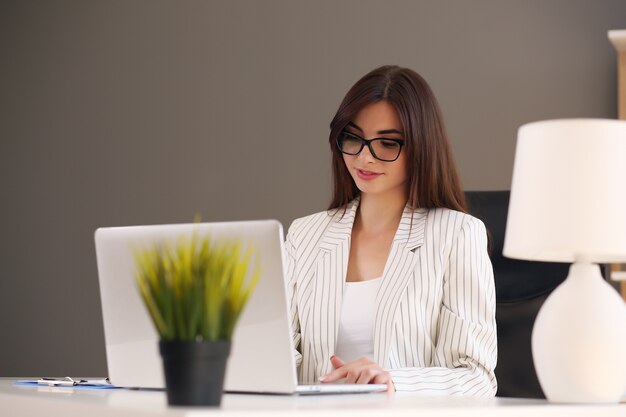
367, 175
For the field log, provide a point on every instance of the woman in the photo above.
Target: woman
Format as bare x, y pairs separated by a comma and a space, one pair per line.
393, 284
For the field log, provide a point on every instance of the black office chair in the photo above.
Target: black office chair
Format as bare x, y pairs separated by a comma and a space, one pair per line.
521, 289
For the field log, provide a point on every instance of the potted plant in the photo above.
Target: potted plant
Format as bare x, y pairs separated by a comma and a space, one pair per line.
194, 291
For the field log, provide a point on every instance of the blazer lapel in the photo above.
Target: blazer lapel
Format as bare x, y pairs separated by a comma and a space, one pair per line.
398, 271
330, 275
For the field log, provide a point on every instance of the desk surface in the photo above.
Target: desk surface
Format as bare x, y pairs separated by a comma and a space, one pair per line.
18, 401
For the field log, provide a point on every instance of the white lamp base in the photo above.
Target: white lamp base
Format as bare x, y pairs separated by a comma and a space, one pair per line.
579, 340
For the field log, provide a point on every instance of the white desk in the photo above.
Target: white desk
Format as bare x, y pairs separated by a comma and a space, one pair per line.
16, 401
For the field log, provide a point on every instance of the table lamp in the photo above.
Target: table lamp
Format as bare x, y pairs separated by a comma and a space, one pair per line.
568, 204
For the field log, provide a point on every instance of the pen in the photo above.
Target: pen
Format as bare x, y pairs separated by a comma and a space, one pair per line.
67, 381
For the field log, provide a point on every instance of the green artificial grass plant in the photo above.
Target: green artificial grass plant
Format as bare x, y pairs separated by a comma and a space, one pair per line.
196, 289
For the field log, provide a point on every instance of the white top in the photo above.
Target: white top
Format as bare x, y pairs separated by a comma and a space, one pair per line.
355, 337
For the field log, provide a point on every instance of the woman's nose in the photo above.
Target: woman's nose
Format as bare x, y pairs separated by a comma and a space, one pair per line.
366, 155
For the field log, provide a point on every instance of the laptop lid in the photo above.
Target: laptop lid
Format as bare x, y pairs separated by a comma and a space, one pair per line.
261, 358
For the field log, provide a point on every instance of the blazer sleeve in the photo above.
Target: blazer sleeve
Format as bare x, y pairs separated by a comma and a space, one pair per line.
290, 252
466, 349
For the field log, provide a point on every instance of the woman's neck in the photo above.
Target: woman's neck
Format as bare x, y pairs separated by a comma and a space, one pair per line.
379, 213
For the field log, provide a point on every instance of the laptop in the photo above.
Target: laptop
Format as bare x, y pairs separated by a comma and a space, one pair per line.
261, 359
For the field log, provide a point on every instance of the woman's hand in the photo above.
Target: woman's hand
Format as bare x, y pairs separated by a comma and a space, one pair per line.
361, 371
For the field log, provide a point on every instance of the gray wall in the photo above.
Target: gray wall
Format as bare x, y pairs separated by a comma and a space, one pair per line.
135, 112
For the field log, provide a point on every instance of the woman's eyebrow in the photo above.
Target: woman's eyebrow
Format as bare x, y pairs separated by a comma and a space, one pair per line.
384, 132
355, 126
380, 132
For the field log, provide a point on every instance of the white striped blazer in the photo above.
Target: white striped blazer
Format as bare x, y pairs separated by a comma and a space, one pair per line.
434, 328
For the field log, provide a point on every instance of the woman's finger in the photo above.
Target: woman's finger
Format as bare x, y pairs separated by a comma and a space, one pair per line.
368, 375
353, 374
337, 362
385, 378
335, 375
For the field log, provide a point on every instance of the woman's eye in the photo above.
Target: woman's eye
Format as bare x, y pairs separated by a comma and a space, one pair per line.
351, 139
389, 144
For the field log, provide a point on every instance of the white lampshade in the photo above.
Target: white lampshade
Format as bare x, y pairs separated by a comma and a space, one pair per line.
568, 195
568, 204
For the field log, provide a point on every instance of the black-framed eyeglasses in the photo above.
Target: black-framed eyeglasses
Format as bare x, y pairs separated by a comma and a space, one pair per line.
383, 149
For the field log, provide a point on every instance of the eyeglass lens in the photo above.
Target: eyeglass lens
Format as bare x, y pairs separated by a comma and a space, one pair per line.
385, 150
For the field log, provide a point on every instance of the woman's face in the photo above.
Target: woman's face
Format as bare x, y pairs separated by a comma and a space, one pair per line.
372, 176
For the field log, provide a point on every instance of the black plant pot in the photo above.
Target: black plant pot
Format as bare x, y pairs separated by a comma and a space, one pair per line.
194, 371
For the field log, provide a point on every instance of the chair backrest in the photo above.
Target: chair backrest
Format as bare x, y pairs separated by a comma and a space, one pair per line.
521, 289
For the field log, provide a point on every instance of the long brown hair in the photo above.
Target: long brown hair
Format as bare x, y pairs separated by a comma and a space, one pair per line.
432, 175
